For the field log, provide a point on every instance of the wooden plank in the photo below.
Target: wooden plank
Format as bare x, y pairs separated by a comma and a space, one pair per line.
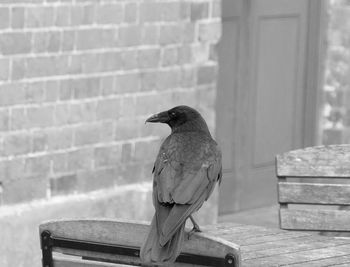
271, 238
320, 161
314, 193
338, 261
132, 234
105, 231
250, 234
342, 265
299, 256
230, 231
292, 242
315, 219
100, 257
251, 248
74, 262
293, 245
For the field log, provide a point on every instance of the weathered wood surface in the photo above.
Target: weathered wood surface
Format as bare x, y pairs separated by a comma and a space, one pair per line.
274, 247
315, 219
314, 193
129, 234
266, 247
315, 162
320, 161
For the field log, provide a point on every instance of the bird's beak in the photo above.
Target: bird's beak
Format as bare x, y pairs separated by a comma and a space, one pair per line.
160, 117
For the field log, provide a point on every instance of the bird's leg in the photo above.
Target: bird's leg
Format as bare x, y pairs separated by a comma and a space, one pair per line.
195, 227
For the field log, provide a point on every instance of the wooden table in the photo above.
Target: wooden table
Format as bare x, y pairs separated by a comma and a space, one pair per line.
274, 247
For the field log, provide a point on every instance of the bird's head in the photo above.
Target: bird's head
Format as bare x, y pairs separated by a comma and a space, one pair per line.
180, 117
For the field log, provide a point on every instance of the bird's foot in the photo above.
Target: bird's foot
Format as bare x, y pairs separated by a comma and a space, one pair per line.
195, 229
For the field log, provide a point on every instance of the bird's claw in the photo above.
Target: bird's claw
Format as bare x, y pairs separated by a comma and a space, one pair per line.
195, 229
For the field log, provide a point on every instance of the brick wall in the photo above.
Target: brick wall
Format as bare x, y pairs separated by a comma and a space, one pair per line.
335, 118
78, 79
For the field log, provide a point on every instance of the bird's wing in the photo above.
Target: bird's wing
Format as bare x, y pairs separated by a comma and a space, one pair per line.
184, 184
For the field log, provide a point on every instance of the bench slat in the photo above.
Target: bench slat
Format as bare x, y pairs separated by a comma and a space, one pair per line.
319, 161
315, 219
70, 262
314, 193
100, 257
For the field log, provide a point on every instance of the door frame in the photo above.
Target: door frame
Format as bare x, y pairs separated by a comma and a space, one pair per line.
316, 52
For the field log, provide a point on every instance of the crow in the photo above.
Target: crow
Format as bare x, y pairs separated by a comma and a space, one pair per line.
185, 172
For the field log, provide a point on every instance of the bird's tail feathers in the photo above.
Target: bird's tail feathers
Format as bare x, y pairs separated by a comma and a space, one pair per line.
165, 238
152, 251
177, 217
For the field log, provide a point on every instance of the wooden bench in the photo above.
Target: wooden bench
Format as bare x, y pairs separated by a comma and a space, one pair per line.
92, 243
314, 189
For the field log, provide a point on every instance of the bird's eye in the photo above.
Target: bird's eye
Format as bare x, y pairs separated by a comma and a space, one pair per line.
172, 114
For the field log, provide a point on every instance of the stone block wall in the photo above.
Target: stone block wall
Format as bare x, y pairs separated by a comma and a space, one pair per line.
335, 117
78, 79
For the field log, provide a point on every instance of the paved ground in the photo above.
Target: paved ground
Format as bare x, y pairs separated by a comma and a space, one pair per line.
266, 216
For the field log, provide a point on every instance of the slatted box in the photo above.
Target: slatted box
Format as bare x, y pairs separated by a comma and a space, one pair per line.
314, 188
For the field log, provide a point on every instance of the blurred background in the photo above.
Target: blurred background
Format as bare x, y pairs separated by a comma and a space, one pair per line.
78, 78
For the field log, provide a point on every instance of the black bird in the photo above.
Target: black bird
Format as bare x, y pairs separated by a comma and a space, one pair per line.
185, 172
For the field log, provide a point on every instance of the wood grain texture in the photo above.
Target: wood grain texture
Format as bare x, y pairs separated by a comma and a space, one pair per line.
130, 234
319, 161
314, 193
315, 219
289, 245
275, 247
338, 261
314, 162
303, 256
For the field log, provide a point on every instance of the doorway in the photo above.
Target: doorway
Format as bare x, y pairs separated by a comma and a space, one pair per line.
267, 95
